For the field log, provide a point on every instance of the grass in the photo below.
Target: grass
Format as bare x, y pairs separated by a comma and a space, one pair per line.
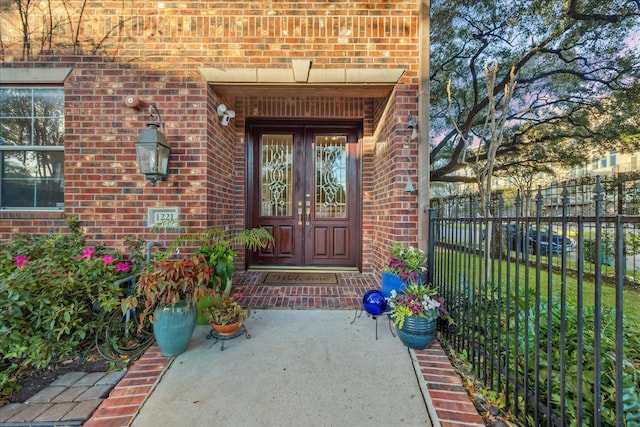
527, 277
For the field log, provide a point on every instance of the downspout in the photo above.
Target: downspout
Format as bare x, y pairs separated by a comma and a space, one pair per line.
423, 124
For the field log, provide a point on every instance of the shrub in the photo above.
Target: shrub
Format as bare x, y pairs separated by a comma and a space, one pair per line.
492, 331
54, 294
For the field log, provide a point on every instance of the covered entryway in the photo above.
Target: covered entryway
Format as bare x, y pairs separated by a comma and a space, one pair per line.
312, 155
304, 186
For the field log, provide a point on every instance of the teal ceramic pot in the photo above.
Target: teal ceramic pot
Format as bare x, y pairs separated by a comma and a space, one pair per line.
417, 332
173, 328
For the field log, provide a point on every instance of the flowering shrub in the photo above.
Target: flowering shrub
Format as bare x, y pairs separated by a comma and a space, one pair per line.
407, 262
415, 301
54, 294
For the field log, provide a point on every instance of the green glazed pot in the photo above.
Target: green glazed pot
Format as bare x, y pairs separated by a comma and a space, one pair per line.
173, 328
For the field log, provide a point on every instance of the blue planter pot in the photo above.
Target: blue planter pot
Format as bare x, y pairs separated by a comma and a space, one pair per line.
391, 282
417, 332
173, 328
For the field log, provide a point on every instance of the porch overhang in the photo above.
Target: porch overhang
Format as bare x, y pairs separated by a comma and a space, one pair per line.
302, 80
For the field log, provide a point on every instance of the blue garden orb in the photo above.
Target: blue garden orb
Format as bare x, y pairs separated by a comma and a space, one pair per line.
374, 302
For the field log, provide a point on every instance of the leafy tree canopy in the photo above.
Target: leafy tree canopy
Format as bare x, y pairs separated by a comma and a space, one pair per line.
577, 67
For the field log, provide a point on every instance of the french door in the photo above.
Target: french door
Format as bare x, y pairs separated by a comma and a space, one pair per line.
304, 187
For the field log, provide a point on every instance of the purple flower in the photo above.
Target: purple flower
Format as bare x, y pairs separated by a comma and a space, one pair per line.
107, 259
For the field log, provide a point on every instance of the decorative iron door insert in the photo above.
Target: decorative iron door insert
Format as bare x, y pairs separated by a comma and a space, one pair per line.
304, 188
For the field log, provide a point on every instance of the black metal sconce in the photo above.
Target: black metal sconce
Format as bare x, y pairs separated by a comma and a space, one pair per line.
152, 149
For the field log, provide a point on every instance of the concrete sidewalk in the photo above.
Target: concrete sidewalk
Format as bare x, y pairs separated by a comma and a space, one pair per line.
300, 367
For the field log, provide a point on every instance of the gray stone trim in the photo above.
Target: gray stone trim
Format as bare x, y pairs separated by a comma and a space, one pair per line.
34, 75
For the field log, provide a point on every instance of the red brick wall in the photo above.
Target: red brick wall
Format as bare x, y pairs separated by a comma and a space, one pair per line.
156, 53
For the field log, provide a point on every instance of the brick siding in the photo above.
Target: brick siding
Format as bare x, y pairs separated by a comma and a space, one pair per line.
155, 52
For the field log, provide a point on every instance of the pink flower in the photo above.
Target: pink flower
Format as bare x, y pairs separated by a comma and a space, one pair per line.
88, 252
122, 266
21, 260
107, 259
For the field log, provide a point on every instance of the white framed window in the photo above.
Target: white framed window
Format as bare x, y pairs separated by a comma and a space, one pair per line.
31, 147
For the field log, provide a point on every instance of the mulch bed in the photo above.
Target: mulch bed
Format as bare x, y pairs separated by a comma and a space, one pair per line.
38, 379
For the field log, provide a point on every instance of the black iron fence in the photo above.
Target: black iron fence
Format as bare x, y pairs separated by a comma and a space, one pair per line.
544, 311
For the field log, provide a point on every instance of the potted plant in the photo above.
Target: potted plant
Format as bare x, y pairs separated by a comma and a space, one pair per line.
217, 246
170, 289
414, 312
225, 314
406, 264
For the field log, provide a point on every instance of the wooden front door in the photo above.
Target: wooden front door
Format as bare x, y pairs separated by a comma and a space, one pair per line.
304, 187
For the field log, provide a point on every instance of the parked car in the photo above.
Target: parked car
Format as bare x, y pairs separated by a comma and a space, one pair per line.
555, 244
549, 243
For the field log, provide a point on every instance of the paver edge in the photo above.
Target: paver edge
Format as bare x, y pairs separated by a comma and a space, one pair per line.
155, 384
431, 410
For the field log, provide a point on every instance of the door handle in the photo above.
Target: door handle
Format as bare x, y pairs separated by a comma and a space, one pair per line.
300, 216
308, 215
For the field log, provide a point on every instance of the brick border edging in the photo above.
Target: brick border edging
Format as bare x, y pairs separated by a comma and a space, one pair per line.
127, 397
447, 401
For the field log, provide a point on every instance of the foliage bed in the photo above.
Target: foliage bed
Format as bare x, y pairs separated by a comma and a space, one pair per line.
494, 329
55, 292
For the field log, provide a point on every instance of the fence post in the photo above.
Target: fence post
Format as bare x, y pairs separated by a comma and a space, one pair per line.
433, 214
598, 196
621, 270
539, 201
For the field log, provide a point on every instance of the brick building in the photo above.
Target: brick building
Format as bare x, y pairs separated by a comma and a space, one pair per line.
317, 147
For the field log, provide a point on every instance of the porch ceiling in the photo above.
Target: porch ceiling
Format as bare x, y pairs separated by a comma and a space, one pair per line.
302, 80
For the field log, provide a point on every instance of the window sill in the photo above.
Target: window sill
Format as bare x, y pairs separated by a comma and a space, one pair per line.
20, 214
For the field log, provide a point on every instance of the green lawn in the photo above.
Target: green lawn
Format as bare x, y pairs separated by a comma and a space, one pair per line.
461, 267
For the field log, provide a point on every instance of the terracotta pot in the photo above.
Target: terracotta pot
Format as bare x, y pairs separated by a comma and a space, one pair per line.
226, 329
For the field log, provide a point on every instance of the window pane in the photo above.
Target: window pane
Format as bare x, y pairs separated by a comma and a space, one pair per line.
331, 176
31, 117
48, 131
276, 175
49, 193
15, 103
32, 178
15, 132
17, 193
48, 102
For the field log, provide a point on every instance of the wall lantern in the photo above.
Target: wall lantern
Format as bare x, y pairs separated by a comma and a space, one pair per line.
152, 149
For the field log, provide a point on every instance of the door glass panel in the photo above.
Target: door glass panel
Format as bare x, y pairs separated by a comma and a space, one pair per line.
276, 175
331, 176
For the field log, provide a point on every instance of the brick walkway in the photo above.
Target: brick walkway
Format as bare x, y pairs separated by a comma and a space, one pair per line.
448, 403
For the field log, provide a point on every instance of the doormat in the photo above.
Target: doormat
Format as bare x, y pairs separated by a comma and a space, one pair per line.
293, 278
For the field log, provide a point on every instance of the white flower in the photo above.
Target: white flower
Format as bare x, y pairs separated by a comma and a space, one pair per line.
429, 303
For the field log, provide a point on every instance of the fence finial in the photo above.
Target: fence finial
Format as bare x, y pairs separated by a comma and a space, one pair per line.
597, 189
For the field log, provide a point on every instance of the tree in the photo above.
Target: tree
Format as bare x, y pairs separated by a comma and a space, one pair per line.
492, 136
578, 79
